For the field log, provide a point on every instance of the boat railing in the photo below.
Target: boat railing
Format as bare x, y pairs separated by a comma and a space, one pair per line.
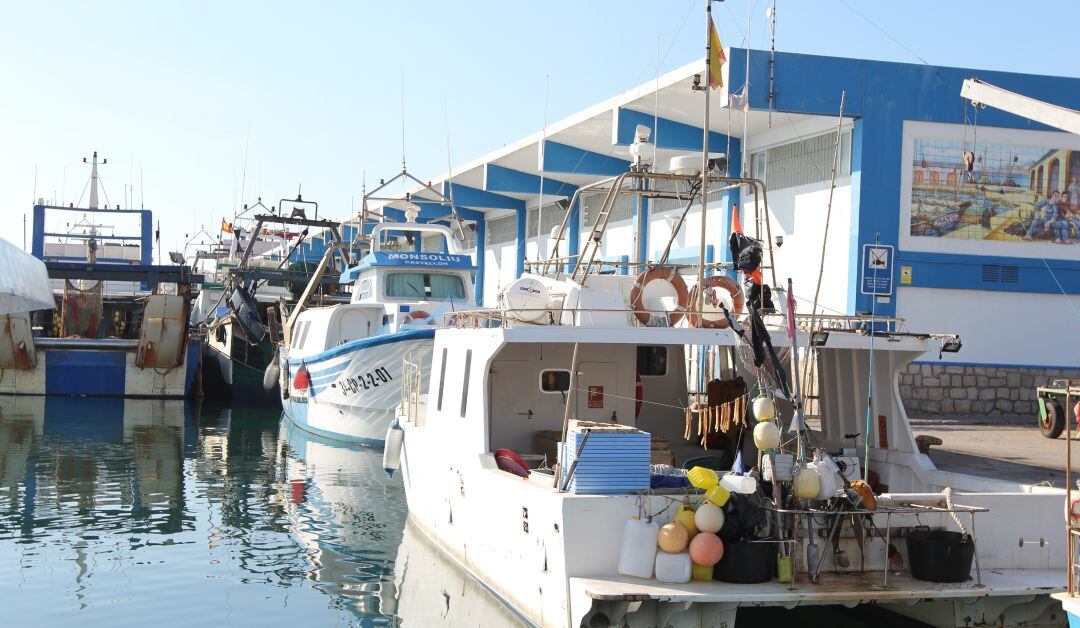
484, 318
1072, 518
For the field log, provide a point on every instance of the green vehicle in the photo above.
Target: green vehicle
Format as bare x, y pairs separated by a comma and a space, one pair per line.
1054, 402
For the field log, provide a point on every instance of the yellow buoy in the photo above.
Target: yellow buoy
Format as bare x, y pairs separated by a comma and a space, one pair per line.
764, 409
685, 516
673, 538
766, 436
807, 483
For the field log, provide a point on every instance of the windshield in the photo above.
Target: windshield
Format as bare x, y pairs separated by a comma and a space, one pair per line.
424, 286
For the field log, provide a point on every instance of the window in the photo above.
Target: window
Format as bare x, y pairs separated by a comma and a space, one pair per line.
442, 380
552, 214
433, 244
554, 381
465, 383
802, 162
425, 286
502, 229
652, 361
365, 289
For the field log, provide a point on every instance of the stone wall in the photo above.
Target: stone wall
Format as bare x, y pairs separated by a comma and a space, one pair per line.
944, 389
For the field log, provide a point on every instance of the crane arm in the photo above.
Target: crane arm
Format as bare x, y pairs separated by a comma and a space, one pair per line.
1056, 116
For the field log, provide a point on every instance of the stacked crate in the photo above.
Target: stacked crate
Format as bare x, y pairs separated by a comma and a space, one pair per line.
615, 458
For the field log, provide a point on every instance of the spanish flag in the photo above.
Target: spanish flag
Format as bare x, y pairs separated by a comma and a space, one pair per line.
225, 226
716, 58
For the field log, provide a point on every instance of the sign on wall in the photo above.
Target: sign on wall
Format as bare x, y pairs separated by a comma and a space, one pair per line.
877, 269
1011, 192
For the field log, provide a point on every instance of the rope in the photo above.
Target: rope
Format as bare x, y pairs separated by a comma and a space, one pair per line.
949, 504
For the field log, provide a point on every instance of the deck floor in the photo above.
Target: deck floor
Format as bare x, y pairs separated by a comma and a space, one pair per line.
832, 588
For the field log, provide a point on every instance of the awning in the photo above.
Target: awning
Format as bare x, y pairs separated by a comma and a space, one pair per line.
24, 282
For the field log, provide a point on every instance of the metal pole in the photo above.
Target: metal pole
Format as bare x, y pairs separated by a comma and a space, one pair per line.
700, 305
570, 398
1068, 488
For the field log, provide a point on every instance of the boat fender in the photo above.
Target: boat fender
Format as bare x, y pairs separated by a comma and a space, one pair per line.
391, 457
302, 379
270, 376
666, 274
713, 304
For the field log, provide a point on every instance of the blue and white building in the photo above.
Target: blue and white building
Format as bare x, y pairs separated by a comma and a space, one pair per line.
979, 251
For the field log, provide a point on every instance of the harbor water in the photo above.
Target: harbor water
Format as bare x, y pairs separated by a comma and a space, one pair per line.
134, 512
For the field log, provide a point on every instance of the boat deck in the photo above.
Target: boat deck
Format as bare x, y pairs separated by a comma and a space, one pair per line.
832, 588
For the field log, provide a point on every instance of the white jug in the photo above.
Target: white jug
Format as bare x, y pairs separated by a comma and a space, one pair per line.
638, 553
673, 567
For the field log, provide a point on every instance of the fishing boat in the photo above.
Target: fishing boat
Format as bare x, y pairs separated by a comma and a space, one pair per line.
261, 268
574, 538
119, 327
341, 366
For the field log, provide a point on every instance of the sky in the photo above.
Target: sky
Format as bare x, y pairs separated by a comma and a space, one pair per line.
202, 106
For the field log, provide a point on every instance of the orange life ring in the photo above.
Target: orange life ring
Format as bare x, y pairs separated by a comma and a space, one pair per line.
659, 273
419, 315
716, 281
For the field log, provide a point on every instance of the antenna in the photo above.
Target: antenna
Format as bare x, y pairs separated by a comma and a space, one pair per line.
543, 142
243, 176
459, 232
770, 14
94, 180
142, 194
402, 118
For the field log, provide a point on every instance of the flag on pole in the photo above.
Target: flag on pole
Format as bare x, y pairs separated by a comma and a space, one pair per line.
716, 58
225, 226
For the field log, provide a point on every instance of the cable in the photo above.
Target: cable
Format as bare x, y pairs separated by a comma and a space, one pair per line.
884, 32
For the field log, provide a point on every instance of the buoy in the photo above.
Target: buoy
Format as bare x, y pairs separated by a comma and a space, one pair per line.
764, 409
807, 483
270, 375
709, 518
685, 516
673, 538
302, 379
701, 573
766, 436
706, 549
391, 456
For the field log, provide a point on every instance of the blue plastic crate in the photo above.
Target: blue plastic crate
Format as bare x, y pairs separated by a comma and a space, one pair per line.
611, 463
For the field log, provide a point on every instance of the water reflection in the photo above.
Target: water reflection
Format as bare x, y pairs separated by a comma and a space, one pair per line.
123, 512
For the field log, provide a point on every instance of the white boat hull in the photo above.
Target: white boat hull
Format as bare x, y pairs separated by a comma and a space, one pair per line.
355, 388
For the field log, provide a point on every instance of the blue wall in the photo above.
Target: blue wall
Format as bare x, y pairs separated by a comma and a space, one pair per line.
882, 96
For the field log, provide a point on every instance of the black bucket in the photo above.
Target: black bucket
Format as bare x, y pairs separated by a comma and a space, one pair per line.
746, 563
940, 555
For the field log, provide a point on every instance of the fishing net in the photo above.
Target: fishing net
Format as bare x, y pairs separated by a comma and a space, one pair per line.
81, 312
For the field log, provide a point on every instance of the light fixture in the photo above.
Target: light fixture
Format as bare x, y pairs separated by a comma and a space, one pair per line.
176, 258
819, 338
951, 345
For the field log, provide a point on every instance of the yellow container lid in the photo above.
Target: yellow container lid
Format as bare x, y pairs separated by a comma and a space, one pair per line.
703, 478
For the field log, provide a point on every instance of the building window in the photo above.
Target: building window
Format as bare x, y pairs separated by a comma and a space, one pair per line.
465, 383
591, 204
365, 288
552, 216
802, 162
652, 361
502, 229
554, 381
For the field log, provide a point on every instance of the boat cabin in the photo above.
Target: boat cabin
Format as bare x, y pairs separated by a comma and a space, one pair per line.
414, 276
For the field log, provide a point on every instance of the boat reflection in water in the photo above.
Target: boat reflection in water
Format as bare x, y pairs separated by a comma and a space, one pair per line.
127, 512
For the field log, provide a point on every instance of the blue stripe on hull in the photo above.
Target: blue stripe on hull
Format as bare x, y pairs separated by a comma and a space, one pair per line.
81, 372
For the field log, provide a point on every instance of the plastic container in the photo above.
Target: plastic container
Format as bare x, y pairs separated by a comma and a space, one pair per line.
717, 495
940, 555
735, 483
746, 563
701, 573
703, 478
783, 465
638, 553
673, 567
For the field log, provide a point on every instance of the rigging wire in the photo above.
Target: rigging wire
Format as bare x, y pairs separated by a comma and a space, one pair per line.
884, 32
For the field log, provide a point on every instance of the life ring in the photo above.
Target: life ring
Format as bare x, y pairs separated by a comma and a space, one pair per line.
738, 300
418, 315
463, 321
659, 273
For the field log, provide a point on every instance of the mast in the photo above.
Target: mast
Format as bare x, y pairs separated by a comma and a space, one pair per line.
94, 179
700, 305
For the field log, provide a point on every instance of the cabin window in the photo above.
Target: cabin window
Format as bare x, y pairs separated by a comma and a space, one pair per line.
442, 380
465, 382
424, 286
365, 289
554, 381
652, 361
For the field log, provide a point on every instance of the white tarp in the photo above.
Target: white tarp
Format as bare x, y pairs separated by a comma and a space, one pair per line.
24, 281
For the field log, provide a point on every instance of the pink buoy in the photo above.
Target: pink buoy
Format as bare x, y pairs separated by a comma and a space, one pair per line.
706, 549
